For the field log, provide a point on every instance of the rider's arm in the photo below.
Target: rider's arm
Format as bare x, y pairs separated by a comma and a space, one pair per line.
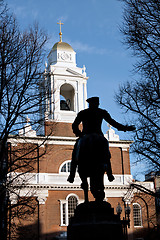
75, 125
115, 124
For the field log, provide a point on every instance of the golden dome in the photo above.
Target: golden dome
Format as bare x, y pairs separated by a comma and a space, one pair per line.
62, 46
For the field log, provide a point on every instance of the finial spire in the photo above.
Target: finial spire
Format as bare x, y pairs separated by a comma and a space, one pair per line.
110, 126
27, 119
60, 33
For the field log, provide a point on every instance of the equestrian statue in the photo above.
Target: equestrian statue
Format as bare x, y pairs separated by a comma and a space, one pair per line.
91, 151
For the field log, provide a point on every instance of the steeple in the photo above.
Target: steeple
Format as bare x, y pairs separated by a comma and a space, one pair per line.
67, 84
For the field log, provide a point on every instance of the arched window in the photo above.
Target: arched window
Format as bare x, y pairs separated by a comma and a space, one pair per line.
65, 167
137, 215
68, 206
67, 94
72, 204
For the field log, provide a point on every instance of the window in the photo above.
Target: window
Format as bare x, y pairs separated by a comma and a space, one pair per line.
72, 204
67, 97
67, 207
137, 215
65, 167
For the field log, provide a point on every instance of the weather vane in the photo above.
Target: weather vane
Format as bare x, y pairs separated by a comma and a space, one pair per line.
60, 34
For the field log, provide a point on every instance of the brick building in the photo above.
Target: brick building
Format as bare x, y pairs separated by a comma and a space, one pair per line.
46, 183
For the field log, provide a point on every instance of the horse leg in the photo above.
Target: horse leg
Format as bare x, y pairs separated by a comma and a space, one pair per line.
84, 186
97, 186
86, 193
109, 171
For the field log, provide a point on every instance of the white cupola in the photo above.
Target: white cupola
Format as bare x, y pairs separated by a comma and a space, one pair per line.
66, 83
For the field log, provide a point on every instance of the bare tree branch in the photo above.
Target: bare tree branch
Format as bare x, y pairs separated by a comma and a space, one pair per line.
141, 97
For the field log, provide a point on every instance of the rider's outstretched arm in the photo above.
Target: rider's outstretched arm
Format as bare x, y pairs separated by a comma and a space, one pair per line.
117, 125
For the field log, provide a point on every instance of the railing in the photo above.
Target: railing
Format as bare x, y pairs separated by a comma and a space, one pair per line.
59, 178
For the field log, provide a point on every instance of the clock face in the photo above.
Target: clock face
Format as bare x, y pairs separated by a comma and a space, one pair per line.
64, 56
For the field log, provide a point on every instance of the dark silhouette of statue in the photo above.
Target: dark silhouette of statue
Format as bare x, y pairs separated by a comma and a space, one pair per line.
91, 152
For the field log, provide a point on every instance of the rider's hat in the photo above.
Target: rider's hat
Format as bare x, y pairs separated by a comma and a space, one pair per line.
93, 100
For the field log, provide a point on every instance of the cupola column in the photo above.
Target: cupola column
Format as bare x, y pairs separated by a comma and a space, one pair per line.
85, 95
52, 96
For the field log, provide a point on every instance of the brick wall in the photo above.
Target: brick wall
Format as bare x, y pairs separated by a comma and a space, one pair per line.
51, 224
52, 156
147, 203
57, 154
116, 161
58, 129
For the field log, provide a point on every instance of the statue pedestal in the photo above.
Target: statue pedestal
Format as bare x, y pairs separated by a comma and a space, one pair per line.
94, 220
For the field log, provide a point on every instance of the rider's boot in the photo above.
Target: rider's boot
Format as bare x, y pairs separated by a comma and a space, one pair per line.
71, 178
110, 177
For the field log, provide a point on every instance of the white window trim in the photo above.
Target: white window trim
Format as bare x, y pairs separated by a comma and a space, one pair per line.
65, 173
65, 201
61, 212
60, 168
140, 216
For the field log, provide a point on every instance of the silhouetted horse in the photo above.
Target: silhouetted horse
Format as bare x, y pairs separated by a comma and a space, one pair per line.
91, 151
92, 156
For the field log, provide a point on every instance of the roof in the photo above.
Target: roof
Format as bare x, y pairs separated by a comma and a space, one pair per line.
62, 46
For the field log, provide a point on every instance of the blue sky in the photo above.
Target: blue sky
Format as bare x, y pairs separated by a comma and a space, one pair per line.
91, 27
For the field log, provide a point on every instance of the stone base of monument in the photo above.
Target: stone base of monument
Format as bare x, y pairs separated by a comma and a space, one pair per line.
95, 220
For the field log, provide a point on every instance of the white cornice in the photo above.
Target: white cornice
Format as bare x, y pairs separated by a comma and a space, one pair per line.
38, 185
59, 140
59, 180
67, 187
